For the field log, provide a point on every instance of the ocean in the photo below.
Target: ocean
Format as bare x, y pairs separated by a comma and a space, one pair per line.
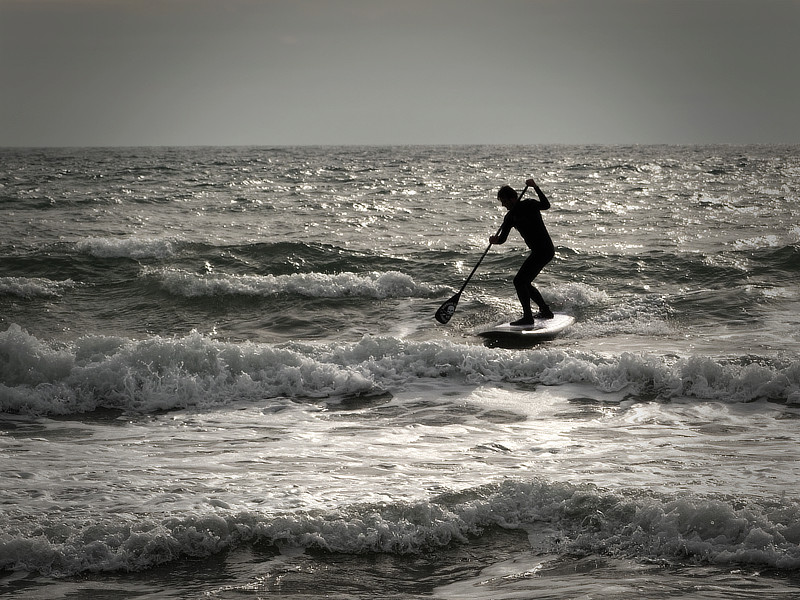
220, 375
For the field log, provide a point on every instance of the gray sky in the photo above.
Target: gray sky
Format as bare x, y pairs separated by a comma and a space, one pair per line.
287, 72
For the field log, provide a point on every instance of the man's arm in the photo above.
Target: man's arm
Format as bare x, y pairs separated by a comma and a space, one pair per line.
544, 203
505, 229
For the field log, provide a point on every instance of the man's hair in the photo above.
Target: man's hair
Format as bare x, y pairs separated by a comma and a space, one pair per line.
507, 193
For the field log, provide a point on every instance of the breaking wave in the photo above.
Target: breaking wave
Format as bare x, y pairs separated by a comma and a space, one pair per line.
391, 284
33, 287
576, 519
161, 373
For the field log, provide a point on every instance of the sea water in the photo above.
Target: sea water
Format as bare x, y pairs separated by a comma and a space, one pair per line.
220, 376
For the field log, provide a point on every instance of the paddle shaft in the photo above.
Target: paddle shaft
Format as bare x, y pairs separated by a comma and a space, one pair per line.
485, 252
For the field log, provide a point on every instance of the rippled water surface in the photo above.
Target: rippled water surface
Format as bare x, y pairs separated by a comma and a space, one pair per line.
220, 375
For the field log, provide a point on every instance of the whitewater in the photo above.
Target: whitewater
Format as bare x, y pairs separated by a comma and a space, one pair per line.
220, 375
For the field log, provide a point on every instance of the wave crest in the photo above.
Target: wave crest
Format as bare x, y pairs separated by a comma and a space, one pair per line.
196, 370
33, 287
136, 248
390, 284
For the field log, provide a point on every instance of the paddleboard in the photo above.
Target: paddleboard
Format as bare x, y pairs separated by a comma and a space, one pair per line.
542, 329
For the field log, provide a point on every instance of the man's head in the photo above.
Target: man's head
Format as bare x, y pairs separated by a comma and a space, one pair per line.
507, 196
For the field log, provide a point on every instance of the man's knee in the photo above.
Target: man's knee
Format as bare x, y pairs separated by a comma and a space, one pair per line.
521, 282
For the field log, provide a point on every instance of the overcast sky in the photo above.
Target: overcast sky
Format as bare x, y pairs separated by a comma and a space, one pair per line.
292, 72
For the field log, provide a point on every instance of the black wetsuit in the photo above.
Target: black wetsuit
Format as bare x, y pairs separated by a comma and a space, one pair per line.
526, 217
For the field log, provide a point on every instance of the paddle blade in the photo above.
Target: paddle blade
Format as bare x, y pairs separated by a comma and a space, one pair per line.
447, 309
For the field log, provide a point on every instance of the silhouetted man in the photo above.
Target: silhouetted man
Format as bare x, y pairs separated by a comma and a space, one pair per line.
526, 217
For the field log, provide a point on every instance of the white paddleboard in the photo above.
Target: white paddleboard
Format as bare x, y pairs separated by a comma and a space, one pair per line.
542, 329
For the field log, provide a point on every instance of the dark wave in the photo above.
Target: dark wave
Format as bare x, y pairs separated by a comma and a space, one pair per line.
102, 254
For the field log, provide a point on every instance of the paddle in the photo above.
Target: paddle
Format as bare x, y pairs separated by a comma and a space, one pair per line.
447, 309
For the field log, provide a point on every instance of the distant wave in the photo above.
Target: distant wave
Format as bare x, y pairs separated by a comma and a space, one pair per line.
578, 519
32, 287
391, 284
127, 247
195, 370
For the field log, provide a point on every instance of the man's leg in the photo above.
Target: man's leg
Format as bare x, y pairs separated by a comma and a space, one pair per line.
544, 310
526, 292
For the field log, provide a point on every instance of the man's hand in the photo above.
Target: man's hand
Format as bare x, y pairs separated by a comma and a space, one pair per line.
530, 183
494, 239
